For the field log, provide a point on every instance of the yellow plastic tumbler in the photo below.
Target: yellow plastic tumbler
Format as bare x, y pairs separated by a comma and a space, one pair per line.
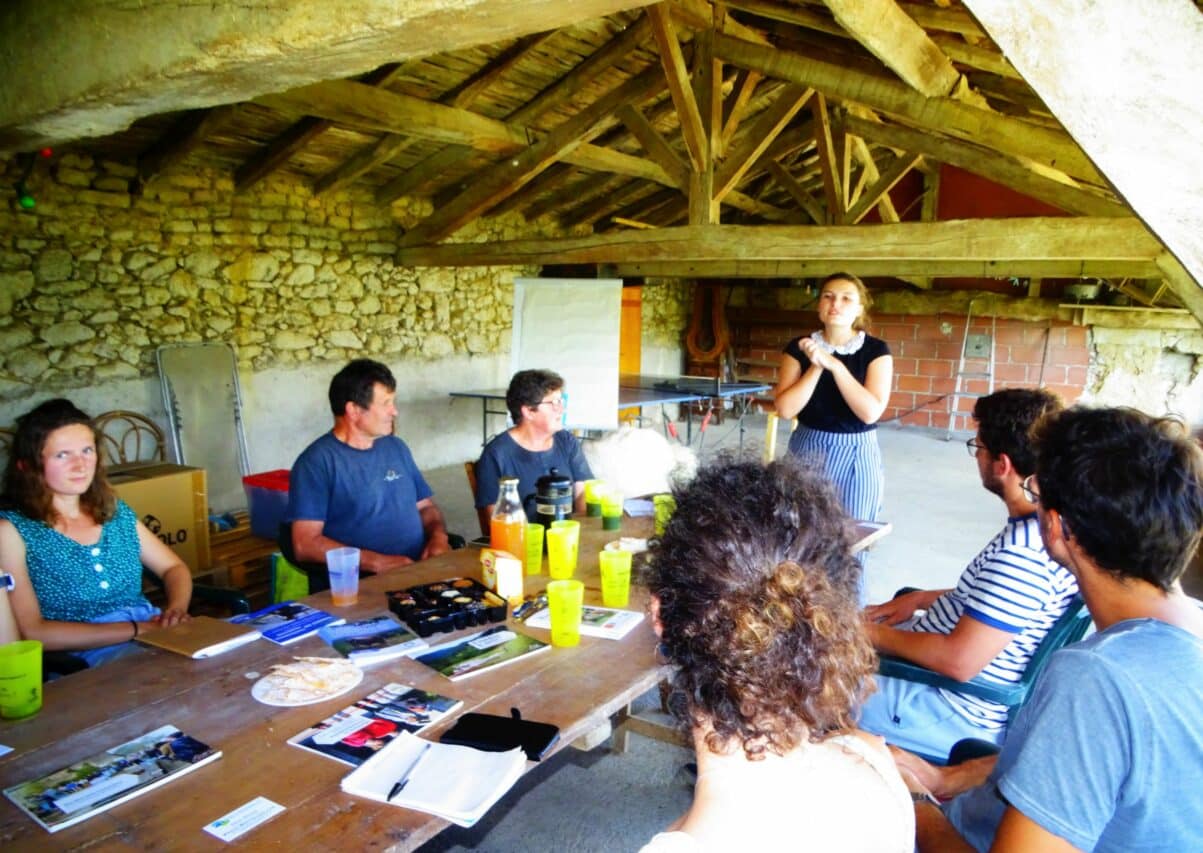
534, 549
560, 553
615, 577
564, 600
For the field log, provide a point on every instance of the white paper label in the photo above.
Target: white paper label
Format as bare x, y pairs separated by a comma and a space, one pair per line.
244, 818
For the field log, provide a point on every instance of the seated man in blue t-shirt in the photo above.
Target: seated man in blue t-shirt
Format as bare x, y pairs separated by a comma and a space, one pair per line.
536, 443
1101, 756
358, 485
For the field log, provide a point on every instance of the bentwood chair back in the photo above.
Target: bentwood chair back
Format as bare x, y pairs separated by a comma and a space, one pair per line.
129, 437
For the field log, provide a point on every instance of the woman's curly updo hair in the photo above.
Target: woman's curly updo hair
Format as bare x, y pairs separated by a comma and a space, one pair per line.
757, 585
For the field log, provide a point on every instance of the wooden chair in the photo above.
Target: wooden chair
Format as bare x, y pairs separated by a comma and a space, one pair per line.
129, 437
482, 517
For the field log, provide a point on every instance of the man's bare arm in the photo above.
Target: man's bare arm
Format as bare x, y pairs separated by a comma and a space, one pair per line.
961, 654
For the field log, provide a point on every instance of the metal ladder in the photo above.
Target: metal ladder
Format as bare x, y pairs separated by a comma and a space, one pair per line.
961, 373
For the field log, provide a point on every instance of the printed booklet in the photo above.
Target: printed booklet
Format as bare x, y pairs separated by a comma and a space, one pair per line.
477, 652
96, 784
595, 621
288, 621
359, 731
370, 640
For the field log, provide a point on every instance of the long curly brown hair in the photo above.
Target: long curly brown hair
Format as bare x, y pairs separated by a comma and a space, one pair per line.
757, 604
25, 487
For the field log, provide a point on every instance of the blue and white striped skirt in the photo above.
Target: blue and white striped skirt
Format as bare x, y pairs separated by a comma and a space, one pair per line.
851, 460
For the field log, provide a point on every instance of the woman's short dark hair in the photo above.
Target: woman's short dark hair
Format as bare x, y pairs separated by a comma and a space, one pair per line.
25, 487
356, 383
757, 585
527, 388
1128, 486
1005, 419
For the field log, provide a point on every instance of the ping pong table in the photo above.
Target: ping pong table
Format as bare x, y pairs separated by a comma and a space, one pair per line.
638, 392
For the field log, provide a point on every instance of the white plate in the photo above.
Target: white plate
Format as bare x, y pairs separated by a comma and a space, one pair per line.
261, 691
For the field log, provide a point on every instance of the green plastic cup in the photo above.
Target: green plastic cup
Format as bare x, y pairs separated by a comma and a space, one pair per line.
20, 679
665, 506
615, 577
593, 492
611, 506
564, 600
534, 549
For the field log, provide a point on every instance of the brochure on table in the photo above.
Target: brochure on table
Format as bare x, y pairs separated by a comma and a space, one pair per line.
370, 640
481, 651
360, 730
288, 621
595, 621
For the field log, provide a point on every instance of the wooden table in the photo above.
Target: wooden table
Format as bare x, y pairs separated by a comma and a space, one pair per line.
577, 689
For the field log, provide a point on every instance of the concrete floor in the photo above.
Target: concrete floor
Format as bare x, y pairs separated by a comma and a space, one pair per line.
599, 801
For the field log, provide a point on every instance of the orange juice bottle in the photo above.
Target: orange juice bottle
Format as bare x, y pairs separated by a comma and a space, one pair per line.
507, 527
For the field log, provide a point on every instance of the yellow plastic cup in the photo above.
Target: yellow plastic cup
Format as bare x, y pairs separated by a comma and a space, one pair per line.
20, 679
534, 549
611, 507
564, 600
665, 506
615, 577
593, 491
574, 535
561, 552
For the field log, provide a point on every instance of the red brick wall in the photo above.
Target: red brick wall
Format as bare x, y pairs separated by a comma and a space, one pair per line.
926, 357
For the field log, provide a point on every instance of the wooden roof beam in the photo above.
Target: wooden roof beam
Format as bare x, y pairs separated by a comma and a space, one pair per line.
805, 200
881, 187
829, 162
654, 144
968, 242
1002, 170
885, 207
901, 44
184, 137
737, 105
769, 124
677, 75
508, 176
1042, 145
909, 271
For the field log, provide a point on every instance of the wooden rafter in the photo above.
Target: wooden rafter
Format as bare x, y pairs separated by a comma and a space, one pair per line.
604, 202
737, 106
677, 76
508, 176
988, 164
655, 145
759, 137
829, 162
184, 137
1042, 145
438, 164
707, 82
893, 173
550, 184
463, 96
984, 244
901, 44
805, 200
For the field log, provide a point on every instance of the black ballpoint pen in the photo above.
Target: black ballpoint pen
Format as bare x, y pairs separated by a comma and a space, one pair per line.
399, 785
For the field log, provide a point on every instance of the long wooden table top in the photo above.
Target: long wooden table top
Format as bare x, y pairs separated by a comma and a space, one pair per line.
577, 689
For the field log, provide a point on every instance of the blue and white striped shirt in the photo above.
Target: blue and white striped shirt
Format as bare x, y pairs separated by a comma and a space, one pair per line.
1012, 585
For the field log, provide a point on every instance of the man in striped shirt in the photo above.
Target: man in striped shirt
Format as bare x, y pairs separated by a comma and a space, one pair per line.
992, 621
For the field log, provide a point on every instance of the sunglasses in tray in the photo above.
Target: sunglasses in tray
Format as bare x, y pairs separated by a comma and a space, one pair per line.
446, 605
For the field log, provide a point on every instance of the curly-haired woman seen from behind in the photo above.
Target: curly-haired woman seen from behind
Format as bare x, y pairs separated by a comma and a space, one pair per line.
74, 549
754, 598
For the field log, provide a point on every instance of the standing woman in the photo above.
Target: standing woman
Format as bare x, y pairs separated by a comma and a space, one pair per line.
74, 549
836, 382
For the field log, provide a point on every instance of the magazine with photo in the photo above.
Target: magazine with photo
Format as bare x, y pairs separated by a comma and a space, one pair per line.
478, 652
595, 621
288, 621
96, 784
370, 640
362, 729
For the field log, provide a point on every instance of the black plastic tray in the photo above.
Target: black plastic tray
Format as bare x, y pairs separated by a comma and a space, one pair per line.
446, 605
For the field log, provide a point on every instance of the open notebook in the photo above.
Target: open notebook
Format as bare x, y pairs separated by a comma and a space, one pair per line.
457, 783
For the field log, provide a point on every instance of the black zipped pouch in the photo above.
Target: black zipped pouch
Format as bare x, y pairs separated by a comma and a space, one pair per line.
494, 733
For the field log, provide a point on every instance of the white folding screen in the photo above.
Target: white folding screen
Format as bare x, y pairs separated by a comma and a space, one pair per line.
571, 326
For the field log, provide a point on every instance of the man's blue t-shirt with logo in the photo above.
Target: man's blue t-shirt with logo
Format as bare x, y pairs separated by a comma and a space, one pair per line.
367, 498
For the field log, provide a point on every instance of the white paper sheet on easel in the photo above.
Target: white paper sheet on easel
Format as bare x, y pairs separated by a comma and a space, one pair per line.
571, 326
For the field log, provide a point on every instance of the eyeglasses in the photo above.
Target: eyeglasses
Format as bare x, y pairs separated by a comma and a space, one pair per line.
973, 446
554, 402
1029, 491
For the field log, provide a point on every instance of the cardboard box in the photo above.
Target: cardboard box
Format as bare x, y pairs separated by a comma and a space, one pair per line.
173, 502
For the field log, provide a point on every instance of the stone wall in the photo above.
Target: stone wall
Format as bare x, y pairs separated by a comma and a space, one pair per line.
95, 277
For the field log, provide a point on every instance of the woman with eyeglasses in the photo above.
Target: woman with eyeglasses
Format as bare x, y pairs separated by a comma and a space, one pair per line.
753, 597
536, 443
836, 382
74, 549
